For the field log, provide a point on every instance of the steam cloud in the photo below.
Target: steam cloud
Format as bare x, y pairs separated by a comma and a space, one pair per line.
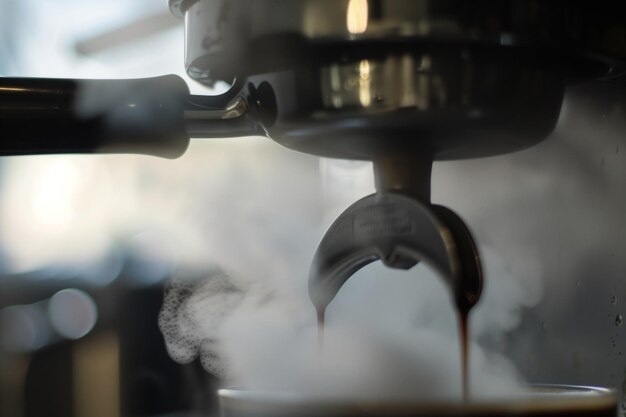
245, 217
390, 334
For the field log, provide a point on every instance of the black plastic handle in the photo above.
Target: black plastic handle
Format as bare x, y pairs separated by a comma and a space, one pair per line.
53, 116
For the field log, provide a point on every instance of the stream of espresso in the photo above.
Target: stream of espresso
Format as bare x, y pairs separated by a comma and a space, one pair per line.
321, 314
463, 341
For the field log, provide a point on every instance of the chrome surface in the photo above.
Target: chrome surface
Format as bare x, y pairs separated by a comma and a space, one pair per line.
356, 78
449, 104
234, 109
222, 36
211, 117
400, 231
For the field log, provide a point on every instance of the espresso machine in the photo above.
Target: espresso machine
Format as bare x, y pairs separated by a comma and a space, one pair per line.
399, 83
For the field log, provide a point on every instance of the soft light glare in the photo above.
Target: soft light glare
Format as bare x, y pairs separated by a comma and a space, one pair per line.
365, 81
23, 328
357, 16
73, 313
54, 208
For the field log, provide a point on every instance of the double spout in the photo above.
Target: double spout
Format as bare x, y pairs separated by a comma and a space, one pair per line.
400, 227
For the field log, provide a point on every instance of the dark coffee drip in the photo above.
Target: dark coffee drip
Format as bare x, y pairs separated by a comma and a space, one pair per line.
321, 316
464, 343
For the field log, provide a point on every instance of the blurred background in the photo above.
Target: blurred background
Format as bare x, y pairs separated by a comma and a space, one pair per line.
87, 243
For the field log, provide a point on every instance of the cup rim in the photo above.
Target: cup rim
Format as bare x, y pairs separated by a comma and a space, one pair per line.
539, 398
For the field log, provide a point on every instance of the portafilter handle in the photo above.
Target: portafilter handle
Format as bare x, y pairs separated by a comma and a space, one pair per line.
400, 231
153, 116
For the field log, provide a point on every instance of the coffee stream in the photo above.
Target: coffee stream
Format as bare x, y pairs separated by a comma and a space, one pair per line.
463, 316
464, 342
321, 315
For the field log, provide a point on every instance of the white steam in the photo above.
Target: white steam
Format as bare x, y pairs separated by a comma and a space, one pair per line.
390, 334
253, 213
